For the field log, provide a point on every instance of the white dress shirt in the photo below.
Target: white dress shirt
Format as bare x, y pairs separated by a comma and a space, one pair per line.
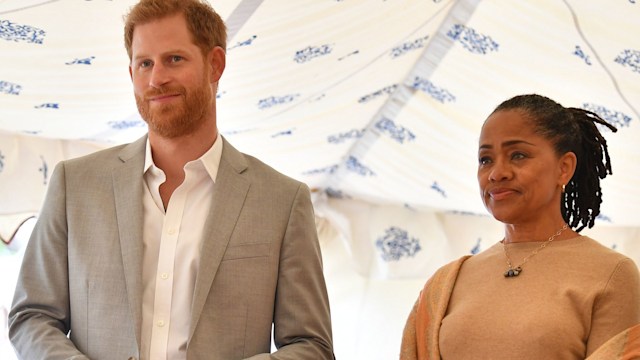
171, 252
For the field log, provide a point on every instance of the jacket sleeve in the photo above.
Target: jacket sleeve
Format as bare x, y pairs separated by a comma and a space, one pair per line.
302, 321
39, 320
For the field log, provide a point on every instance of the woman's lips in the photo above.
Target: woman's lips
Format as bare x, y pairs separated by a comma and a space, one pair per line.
501, 194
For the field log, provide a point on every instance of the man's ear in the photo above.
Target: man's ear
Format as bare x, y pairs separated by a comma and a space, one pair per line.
217, 59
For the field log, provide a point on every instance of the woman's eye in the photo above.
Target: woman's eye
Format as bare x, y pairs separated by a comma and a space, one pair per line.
518, 156
484, 160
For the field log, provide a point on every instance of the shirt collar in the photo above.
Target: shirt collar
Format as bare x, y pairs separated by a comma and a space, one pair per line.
210, 159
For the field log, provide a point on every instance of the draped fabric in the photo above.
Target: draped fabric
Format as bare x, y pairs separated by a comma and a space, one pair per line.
624, 346
375, 104
421, 333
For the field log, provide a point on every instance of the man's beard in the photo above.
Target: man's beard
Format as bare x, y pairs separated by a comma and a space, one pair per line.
174, 120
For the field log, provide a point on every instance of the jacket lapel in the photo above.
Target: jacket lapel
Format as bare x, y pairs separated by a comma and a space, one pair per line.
127, 189
229, 194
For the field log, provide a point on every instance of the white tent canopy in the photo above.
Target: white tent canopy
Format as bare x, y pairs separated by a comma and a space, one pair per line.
376, 104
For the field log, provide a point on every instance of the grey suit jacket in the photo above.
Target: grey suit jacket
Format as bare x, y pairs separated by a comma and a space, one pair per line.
79, 291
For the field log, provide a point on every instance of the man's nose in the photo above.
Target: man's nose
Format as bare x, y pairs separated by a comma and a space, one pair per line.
159, 76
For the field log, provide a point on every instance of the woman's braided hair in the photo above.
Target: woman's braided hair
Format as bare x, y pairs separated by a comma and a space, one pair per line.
571, 130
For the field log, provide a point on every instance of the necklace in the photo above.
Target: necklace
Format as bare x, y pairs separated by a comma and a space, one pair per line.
513, 272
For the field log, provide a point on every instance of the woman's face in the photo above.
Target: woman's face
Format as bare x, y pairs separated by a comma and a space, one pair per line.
519, 173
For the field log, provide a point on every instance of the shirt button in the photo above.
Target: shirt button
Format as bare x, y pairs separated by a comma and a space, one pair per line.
164, 276
172, 231
160, 323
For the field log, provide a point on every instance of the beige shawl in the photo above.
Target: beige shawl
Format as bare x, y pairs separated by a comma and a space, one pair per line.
421, 333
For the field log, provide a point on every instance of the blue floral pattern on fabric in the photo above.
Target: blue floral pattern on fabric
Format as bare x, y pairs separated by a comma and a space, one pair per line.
325, 170
396, 132
336, 194
409, 207
408, 46
10, 88
582, 55
630, 58
354, 165
85, 61
48, 106
476, 248
603, 217
44, 169
614, 118
426, 86
276, 100
437, 188
125, 124
311, 52
355, 52
344, 136
283, 133
11, 31
247, 42
471, 40
1, 162
462, 212
396, 244
387, 90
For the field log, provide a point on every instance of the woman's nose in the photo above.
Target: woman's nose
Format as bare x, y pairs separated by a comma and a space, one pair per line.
500, 172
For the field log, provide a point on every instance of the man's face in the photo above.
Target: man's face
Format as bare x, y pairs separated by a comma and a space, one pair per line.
171, 78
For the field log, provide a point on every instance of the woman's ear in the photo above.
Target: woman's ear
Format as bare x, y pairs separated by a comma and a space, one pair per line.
567, 163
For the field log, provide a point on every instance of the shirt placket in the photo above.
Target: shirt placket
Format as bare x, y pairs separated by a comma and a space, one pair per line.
165, 273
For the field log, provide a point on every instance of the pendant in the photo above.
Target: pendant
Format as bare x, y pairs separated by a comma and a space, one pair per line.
513, 272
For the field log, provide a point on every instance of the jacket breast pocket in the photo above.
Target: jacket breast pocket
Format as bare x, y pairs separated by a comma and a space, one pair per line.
246, 251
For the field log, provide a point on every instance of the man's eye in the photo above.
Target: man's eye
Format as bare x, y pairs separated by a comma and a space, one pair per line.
145, 64
176, 58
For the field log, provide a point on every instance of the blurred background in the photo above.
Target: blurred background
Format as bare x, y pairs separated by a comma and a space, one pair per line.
375, 104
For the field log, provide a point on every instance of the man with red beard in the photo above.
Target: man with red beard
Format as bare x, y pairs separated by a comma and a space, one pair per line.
176, 246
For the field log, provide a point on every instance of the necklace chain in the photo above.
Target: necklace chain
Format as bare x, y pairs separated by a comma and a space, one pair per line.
511, 271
